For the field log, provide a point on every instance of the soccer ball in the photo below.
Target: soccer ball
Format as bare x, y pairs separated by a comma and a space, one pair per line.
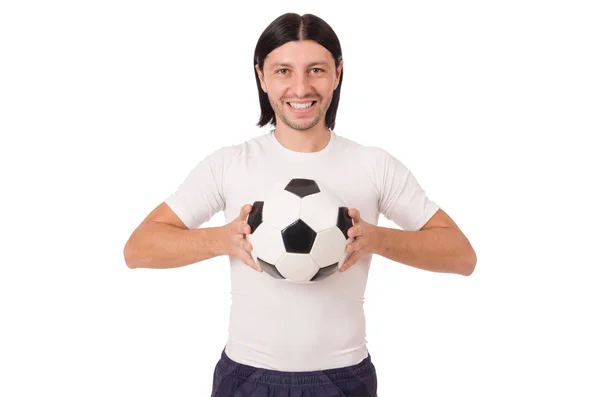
299, 231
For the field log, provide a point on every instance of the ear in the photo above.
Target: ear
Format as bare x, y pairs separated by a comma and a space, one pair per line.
261, 77
338, 74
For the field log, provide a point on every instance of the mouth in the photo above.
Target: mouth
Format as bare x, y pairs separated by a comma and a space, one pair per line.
301, 107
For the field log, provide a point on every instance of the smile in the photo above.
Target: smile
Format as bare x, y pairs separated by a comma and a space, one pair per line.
301, 106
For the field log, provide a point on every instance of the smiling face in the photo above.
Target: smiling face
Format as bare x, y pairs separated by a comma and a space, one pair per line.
299, 78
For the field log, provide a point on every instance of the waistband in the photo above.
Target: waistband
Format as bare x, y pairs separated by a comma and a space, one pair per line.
271, 376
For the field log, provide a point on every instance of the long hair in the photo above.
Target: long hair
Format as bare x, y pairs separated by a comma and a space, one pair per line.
292, 27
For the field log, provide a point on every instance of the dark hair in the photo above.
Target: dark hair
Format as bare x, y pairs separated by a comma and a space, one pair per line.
292, 27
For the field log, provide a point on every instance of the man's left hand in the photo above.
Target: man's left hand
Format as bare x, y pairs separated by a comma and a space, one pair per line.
365, 239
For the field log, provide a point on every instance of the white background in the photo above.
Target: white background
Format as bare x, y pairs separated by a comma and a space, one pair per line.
106, 106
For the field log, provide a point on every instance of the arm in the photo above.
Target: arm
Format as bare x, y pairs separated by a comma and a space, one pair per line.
170, 235
436, 245
163, 241
439, 246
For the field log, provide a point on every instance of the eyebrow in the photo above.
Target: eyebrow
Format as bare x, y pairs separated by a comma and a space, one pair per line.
287, 65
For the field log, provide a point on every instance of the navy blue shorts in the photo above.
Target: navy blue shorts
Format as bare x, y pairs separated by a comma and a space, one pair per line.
233, 379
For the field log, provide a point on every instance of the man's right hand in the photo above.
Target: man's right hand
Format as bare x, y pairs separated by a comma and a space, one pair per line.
235, 241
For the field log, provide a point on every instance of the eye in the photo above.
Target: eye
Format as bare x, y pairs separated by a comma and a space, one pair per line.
281, 71
317, 70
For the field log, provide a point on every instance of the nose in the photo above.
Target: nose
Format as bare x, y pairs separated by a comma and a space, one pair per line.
300, 86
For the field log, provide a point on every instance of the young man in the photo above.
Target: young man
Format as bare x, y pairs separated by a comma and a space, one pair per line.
293, 339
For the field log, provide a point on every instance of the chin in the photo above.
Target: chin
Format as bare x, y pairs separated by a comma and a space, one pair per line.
303, 126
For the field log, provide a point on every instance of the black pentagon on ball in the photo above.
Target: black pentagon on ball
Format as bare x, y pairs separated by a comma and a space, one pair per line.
344, 221
298, 237
269, 269
325, 272
302, 187
255, 216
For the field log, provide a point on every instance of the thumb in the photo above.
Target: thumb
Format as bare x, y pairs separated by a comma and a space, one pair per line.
245, 211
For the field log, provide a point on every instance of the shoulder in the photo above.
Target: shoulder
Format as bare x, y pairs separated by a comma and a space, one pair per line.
237, 150
376, 163
374, 155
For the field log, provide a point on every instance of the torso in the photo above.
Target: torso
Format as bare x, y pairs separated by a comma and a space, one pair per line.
288, 326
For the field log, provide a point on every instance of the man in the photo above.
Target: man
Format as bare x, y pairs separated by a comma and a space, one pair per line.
294, 339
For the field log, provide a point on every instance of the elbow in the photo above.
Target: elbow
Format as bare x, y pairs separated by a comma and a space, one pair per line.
129, 256
136, 257
467, 263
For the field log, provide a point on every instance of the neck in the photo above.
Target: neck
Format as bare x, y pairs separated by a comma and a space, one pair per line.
307, 141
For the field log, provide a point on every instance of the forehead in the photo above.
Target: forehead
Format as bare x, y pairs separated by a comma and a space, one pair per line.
299, 53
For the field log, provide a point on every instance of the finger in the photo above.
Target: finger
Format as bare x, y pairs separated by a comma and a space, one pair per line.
345, 266
245, 245
243, 228
355, 245
354, 214
355, 231
245, 210
248, 260
352, 259
348, 262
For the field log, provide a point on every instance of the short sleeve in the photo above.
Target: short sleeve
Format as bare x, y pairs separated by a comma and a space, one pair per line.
401, 198
200, 195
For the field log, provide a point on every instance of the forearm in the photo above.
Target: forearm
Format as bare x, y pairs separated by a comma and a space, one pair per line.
161, 246
443, 250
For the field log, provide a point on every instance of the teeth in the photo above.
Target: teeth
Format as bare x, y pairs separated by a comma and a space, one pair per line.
300, 105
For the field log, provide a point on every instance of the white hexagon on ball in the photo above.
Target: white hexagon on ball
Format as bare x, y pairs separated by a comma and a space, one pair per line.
329, 247
267, 240
281, 209
319, 211
297, 267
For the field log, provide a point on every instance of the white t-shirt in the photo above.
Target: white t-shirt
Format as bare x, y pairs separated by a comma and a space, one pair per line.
289, 326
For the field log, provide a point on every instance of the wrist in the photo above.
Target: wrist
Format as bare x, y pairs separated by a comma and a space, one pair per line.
212, 240
218, 241
379, 238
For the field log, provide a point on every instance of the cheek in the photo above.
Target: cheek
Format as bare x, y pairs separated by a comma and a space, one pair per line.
326, 87
275, 89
